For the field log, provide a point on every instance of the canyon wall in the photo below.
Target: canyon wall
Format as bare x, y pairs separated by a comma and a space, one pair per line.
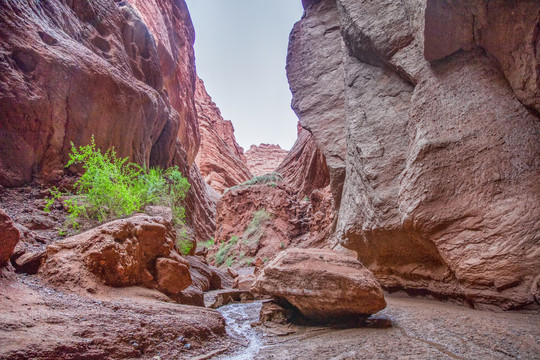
260, 219
220, 158
427, 113
122, 72
265, 158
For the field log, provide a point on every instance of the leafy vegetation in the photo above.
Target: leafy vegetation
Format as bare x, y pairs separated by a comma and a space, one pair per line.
183, 242
112, 187
224, 249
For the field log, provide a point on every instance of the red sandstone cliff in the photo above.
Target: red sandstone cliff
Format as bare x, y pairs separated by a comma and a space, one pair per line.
220, 158
296, 210
122, 72
264, 158
427, 113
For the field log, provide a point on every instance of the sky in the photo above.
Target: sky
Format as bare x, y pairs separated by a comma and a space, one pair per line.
241, 50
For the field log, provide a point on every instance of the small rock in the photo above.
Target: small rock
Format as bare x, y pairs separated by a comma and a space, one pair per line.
187, 346
232, 272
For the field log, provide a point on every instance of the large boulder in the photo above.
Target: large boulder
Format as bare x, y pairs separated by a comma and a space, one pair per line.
138, 251
323, 285
9, 237
438, 107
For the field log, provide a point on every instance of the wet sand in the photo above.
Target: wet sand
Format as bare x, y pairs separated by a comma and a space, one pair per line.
409, 328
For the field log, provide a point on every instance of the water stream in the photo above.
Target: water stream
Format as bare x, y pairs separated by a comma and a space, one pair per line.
239, 317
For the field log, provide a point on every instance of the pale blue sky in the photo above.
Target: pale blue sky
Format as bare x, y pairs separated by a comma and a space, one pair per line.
241, 49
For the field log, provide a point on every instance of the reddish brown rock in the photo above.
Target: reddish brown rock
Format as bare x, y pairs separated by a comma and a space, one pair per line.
260, 220
73, 70
304, 167
79, 69
38, 322
9, 237
265, 158
128, 252
220, 159
205, 278
29, 262
171, 28
172, 276
339, 287
200, 204
453, 26
440, 193
316, 78
293, 210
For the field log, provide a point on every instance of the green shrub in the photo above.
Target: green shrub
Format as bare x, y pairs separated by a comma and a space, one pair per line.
224, 249
183, 243
207, 244
112, 187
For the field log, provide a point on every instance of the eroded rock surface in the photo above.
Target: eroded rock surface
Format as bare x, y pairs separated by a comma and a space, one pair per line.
292, 210
38, 322
73, 70
265, 158
323, 285
171, 28
316, 77
304, 167
138, 251
220, 158
9, 237
122, 72
259, 221
441, 157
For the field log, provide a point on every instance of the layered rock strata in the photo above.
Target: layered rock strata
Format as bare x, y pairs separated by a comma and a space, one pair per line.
431, 108
220, 158
304, 167
265, 158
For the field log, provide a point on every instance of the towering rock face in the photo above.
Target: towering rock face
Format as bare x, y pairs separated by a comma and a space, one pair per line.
73, 69
265, 158
316, 78
172, 30
122, 72
220, 158
436, 103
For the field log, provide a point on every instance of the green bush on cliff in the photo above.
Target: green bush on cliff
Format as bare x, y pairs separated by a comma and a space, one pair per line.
270, 179
112, 187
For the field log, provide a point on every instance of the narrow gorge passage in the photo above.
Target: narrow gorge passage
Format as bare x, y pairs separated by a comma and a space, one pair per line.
148, 212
